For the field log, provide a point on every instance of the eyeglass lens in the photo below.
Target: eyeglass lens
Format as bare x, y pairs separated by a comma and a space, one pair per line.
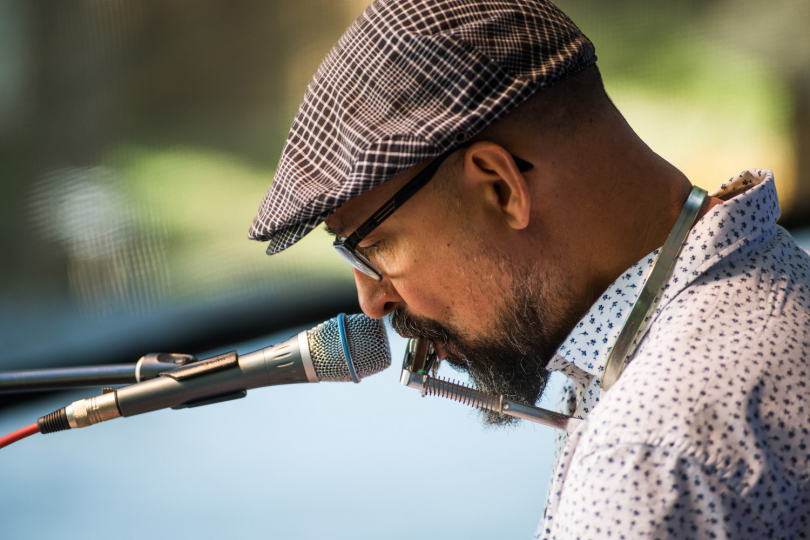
359, 262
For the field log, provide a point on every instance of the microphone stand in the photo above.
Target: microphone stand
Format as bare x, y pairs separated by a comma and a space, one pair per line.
148, 367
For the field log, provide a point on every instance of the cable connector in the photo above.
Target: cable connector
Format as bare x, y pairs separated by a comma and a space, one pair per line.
56, 421
87, 412
82, 413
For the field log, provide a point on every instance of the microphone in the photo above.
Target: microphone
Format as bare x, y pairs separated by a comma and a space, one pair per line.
344, 348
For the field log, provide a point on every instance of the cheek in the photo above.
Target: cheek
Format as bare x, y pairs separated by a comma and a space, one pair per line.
425, 276
442, 282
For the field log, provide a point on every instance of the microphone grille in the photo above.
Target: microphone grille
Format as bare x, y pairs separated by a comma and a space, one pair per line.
368, 346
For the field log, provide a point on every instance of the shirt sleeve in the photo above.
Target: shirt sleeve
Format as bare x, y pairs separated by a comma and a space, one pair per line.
642, 491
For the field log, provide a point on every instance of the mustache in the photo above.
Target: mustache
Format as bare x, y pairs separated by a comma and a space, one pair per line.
407, 324
459, 355
419, 327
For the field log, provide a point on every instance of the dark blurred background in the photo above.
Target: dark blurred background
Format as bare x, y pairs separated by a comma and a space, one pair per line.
136, 141
137, 138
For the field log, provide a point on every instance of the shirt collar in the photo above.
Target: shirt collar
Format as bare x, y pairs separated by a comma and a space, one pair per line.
745, 220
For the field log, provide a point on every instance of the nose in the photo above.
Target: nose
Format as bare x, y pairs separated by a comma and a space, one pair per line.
377, 298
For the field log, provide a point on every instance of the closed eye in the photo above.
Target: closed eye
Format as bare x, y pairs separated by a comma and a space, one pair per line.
333, 233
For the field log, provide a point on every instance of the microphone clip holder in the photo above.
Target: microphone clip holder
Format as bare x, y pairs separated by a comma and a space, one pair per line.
154, 364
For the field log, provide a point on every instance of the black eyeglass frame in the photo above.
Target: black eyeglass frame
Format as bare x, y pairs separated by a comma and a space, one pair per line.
348, 246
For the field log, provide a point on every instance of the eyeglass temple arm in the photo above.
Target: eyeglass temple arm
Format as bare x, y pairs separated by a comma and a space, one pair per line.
409, 190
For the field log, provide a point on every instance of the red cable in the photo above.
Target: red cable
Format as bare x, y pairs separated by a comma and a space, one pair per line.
19, 434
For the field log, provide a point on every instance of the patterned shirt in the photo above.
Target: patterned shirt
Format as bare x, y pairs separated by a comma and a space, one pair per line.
707, 432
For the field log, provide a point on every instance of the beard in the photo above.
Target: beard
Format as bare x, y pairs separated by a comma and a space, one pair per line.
511, 356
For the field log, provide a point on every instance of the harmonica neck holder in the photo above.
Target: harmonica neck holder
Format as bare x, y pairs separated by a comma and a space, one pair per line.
419, 371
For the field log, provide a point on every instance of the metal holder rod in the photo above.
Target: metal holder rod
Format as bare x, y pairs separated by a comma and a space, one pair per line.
458, 392
63, 378
148, 367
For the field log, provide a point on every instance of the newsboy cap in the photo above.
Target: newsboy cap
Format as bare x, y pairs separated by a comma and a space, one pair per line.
409, 80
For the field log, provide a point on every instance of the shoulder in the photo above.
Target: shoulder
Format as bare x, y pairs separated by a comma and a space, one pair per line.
722, 376
748, 315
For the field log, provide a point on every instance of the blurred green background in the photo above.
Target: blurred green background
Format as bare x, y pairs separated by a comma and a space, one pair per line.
138, 137
136, 141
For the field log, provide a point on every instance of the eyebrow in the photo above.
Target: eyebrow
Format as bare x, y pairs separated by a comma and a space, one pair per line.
335, 232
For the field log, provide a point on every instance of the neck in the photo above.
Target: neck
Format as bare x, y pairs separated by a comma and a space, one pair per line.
619, 204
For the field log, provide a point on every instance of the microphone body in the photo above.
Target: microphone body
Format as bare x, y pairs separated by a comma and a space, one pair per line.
224, 376
340, 349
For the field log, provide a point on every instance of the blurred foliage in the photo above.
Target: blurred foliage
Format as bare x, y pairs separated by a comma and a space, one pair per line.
204, 199
137, 138
694, 93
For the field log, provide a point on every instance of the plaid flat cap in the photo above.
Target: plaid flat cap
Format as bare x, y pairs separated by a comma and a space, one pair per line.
409, 80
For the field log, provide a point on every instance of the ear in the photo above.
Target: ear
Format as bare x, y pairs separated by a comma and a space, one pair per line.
493, 170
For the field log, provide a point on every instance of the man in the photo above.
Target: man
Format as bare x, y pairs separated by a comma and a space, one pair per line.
492, 199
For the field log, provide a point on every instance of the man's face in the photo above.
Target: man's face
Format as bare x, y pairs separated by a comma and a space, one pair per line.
453, 273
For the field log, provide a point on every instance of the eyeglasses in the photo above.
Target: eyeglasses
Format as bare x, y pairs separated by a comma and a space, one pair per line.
347, 247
